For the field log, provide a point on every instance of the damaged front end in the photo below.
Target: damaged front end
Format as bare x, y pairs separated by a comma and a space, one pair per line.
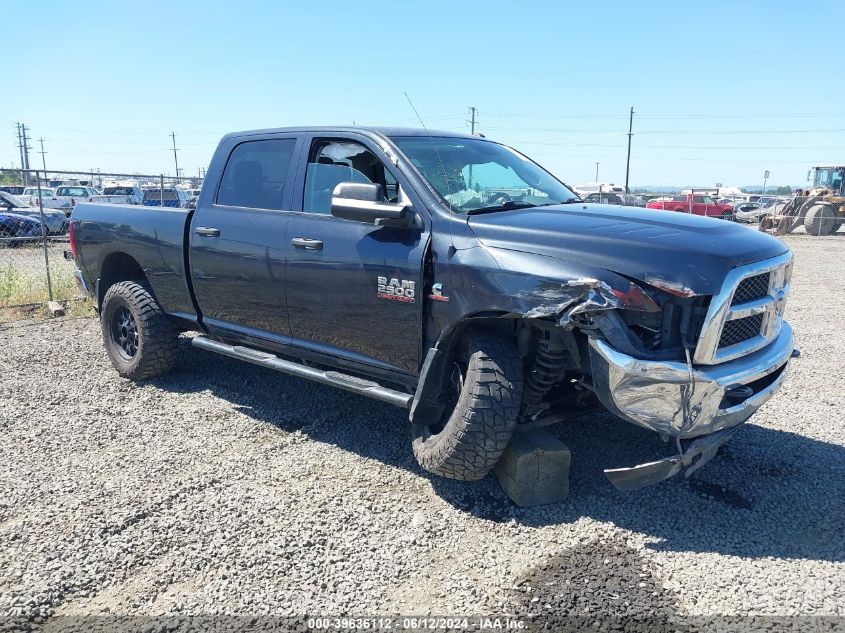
707, 403
689, 367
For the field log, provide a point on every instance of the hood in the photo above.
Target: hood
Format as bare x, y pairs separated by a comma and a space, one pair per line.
689, 251
16, 215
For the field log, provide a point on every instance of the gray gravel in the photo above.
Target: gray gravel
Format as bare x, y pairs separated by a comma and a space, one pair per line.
227, 489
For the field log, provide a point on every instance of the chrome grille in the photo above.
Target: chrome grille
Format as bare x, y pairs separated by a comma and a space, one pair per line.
747, 313
740, 330
751, 288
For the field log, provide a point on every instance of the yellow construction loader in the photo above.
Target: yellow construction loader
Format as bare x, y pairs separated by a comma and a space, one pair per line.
821, 210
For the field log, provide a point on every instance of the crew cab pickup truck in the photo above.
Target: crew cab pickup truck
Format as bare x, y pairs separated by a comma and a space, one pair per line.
696, 204
121, 194
68, 196
450, 275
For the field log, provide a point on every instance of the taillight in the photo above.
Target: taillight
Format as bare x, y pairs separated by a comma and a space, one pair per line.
72, 238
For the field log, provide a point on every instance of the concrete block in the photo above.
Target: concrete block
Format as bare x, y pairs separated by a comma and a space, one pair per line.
56, 308
534, 469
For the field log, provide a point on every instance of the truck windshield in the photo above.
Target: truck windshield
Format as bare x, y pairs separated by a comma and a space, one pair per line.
475, 175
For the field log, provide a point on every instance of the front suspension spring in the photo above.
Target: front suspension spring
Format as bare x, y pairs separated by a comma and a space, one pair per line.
549, 368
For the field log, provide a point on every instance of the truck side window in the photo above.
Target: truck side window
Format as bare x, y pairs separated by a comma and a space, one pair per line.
256, 173
331, 162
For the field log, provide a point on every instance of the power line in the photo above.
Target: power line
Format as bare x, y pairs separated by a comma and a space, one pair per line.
790, 115
564, 143
701, 132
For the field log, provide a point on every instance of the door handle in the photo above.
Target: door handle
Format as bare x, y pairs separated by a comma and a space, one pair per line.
207, 231
304, 242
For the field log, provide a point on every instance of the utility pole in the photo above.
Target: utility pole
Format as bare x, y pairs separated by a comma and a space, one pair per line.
630, 134
26, 146
175, 158
23, 144
472, 111
20, 142
597, 171
471, 122
43, 161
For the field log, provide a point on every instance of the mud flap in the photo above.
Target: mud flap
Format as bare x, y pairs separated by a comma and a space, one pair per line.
698, 453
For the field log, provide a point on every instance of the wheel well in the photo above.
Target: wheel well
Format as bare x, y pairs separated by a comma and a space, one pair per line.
502, 325
117, 267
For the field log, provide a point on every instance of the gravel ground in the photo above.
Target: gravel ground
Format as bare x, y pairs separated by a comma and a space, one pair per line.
224, 488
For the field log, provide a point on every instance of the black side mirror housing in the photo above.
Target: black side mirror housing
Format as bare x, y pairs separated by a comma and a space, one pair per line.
364, 202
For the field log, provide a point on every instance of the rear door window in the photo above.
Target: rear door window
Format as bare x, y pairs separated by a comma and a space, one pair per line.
256, 174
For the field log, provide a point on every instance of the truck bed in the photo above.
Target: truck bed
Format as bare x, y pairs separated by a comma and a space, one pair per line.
155, 236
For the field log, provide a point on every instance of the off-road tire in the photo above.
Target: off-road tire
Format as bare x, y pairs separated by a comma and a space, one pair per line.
156, 335
821, 220
480, 426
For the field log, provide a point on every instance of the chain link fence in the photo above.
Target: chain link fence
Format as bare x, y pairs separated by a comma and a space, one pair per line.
35, 212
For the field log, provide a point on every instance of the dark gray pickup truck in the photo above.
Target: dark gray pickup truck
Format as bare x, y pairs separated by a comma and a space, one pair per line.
453, 276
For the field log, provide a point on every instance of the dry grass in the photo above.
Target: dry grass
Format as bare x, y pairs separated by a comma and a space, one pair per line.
23, 277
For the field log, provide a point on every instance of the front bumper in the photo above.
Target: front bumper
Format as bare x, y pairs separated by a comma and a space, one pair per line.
661, 397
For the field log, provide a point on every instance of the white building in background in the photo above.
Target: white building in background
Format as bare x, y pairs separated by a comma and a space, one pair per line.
720, 192
597, 187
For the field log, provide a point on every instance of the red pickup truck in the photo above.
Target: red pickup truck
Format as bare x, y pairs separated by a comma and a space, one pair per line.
694, 203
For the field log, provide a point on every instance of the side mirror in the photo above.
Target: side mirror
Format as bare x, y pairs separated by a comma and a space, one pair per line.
364, 202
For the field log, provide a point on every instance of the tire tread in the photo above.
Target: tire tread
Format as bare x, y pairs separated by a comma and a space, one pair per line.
480, 427
157, 333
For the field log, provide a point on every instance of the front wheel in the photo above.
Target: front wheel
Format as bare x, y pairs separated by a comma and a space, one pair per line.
821, 220
485, 387
140, 338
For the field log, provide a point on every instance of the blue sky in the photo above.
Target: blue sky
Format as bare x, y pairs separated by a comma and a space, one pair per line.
722, 90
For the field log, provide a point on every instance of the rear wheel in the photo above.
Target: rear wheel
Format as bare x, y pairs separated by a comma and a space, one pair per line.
727, 215
485, 384
140, 338
821, 220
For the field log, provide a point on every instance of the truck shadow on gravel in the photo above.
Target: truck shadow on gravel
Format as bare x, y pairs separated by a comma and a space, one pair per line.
768, 493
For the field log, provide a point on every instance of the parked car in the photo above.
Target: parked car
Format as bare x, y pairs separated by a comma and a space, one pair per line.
604, 198
194, 196
171, 197
48, 199
15, 190
401, 280
14, 225
73, 194
55, 221
749, 212
126, 194
29, 192
696, 204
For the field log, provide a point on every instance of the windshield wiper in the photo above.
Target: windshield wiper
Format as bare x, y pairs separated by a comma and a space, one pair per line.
505, 206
